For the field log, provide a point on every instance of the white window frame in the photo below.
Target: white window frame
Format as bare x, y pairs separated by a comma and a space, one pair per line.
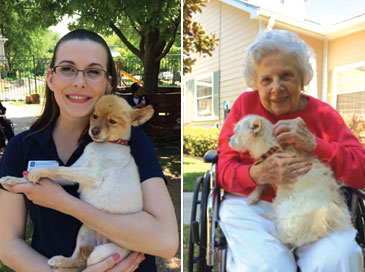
196, 116
335, 72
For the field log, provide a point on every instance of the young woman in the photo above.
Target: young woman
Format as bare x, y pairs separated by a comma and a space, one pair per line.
81, 70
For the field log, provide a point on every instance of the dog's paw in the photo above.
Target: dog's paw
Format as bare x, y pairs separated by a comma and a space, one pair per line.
61, 262
34, 175
57, 262
268, 216
8, 180
253, 199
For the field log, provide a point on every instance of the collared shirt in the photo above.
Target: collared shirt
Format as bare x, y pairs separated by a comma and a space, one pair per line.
54, 232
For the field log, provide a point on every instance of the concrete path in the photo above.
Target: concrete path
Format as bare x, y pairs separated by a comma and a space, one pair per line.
188, 199
22, 115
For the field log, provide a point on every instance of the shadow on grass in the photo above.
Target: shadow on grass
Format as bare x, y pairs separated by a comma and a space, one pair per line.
170, 160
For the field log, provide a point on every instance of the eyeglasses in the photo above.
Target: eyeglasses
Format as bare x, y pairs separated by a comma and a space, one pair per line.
70, 72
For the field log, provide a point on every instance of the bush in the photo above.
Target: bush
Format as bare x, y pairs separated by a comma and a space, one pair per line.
197, 141
357, 125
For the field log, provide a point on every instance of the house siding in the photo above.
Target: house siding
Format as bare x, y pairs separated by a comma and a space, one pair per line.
236, 32
1, 47
344, 51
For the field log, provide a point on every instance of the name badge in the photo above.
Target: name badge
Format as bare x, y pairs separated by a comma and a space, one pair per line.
42, 164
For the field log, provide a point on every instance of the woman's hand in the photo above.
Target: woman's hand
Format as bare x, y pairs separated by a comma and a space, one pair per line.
280, 168
295, 131
46, 193
111, 264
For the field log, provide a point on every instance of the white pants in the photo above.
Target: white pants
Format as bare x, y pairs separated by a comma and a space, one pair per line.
251, 247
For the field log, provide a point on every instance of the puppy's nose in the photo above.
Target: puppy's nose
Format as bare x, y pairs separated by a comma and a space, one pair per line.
229, 139
95, 131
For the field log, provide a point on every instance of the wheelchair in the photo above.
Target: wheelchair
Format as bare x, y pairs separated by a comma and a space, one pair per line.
207, 244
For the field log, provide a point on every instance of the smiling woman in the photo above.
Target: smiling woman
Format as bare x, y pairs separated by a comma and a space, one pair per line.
81, 71
277, 67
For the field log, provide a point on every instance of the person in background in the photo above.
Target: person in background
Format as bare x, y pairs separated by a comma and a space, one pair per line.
5, 128
277, 67
138, 99
81, 70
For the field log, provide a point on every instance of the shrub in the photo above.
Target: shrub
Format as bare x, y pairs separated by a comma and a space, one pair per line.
197, 141
357, 125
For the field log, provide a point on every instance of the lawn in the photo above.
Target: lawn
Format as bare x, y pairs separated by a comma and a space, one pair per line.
193, 168
186, 230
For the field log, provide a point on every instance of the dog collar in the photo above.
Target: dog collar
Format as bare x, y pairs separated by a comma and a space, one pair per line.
267, 154
120, 141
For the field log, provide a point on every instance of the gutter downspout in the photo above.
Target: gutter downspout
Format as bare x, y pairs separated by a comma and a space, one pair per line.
325, 72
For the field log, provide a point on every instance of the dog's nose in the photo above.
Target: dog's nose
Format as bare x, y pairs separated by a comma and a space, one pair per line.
229, 139
95, 131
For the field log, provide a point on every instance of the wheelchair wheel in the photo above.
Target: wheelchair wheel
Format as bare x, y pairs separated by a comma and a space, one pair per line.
198, 229
359, 221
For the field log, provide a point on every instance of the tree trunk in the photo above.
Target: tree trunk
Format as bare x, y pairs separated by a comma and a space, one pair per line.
153, 48
150, 76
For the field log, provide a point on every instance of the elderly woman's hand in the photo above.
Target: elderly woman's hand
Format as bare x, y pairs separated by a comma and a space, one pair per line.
280, 168
295, 131
110, 264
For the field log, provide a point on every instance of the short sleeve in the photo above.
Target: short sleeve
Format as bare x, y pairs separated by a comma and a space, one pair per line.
12, 163
144, 155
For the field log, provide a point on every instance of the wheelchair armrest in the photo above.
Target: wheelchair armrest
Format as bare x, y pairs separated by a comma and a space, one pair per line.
211, 156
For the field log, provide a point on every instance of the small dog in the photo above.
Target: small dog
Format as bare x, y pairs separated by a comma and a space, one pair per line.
305, 211
107, 174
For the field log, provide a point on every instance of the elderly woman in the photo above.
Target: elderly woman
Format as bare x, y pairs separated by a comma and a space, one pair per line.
277, 68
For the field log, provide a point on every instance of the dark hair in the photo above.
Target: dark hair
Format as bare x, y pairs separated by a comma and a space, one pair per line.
135, 86
51, 109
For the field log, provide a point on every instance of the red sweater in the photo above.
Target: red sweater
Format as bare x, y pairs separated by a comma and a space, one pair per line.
336, 144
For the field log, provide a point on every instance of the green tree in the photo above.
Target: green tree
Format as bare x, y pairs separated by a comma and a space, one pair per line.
26, 35
153, 24
195, 40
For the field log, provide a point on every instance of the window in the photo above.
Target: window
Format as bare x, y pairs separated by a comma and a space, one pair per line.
201, 98
349, 84
204, 97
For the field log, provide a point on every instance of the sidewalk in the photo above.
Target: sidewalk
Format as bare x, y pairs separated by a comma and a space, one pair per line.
188, 199
22, 115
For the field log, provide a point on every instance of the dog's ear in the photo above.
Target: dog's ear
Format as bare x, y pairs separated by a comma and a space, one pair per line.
142, 115
255, 126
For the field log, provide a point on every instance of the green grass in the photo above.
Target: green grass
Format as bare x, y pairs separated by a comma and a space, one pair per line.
186, 229
193, 168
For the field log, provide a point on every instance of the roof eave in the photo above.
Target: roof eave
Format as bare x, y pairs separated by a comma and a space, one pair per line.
304, 27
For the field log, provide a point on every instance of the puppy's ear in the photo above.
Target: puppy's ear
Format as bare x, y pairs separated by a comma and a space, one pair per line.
142, 115
255, 126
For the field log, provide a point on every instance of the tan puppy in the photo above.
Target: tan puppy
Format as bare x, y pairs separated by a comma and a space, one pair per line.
107, 174
305, 211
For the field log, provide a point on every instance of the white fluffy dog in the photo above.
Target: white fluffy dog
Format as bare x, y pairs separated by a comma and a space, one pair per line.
107, 174
305, 211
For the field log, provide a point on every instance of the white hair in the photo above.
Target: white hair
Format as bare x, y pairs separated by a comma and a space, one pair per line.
274, 41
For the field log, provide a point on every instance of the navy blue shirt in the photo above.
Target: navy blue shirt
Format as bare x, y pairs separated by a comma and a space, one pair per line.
54, 232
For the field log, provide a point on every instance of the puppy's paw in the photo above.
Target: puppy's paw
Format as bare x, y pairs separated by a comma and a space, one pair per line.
8, 180
34, 175
253, 199
268, 216
58, 262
